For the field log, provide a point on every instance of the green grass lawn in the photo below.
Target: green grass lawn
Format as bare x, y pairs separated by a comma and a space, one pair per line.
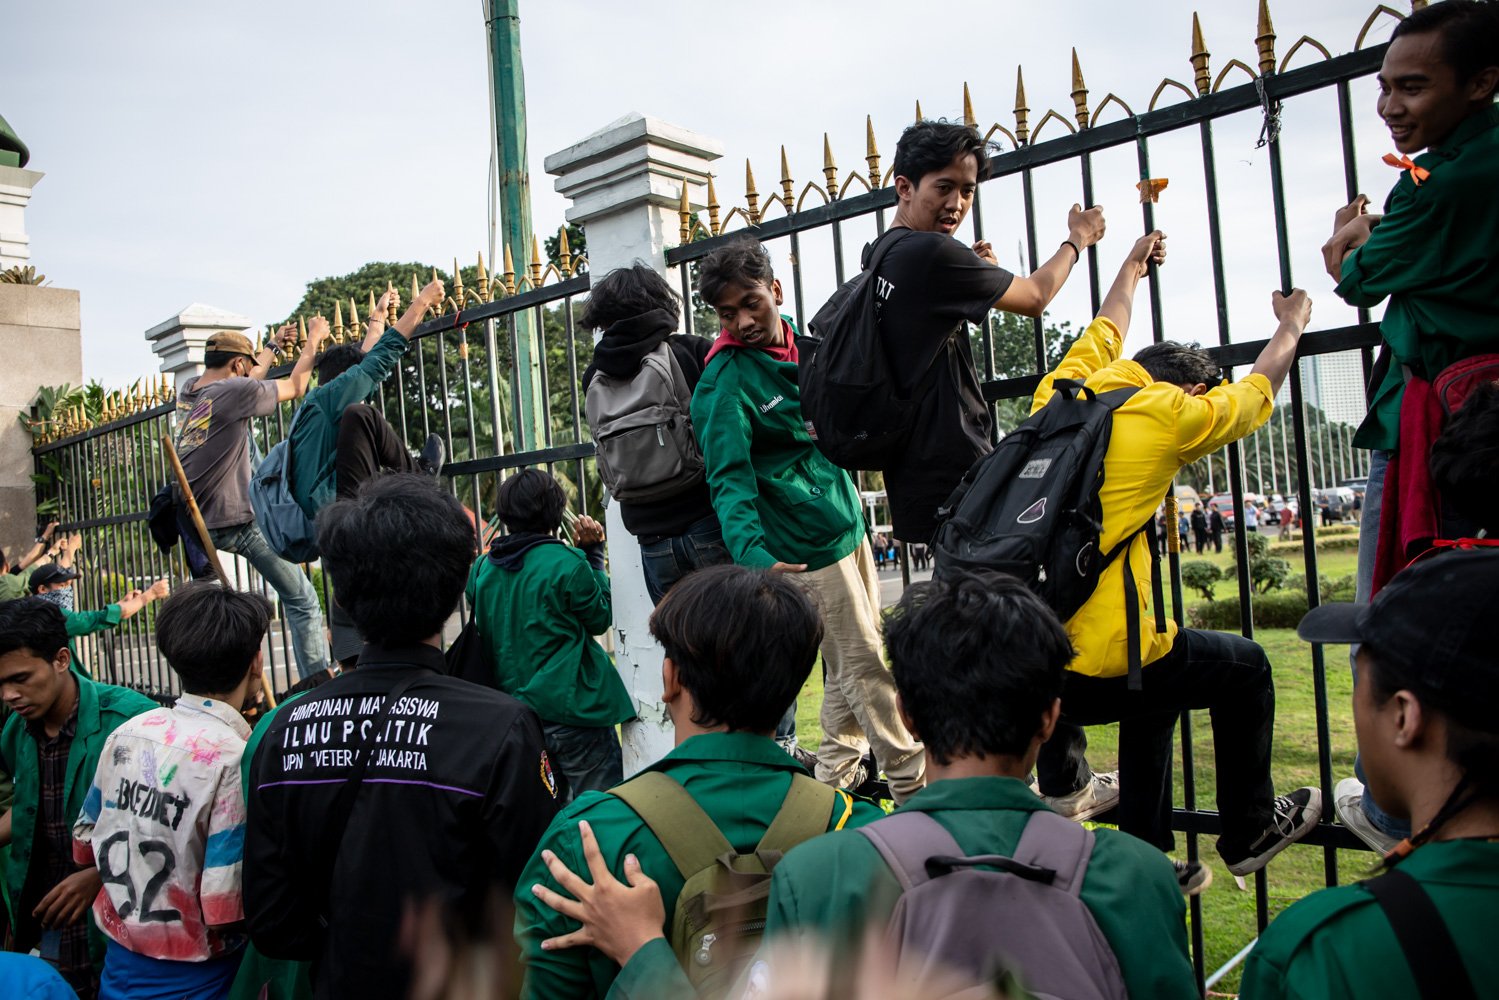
1229, 913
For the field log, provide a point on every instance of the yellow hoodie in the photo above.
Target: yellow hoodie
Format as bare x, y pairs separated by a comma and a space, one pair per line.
1157, 431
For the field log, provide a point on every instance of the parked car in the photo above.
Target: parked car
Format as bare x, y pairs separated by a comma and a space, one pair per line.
1334, 504
1279, 507
1223, 503
1356, 484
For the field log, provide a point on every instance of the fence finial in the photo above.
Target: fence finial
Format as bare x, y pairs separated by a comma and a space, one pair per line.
751, 195
684, 216
787, 185
1265, 40
829, 168
1079, 92
301, 335
1202, 77
713, 207
354, 319
871, 153
968, 117
509, 271
484, 275
536, 265
457, 284
919, 116
1022, 110
338, 322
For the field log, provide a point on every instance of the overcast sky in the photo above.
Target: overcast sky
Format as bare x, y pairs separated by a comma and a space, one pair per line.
228, 154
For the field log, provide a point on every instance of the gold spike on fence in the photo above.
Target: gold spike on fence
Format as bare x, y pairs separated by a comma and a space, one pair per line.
509, 271
871, 153
1264, 41
829, 168
457, 294
968, 116
713, 206
787, 185
1201, 76
484, 275
338, 322
1022, 110
536, 264
751, 195
684, 216
1079, 93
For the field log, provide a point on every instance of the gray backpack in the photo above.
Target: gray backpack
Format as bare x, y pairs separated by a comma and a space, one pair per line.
966, 923
642, 428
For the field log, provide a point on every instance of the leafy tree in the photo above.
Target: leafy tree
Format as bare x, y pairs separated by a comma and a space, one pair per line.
1200, 575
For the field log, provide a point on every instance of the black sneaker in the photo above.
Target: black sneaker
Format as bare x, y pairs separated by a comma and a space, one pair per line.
432, 454
1295, 814
1192, 877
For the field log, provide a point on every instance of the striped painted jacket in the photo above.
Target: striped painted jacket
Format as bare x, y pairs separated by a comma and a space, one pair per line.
165, 823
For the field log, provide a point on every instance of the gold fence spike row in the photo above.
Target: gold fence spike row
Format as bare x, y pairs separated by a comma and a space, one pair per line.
829, 168
509, 271
1079, 92
968, 116
713, 206
684, 217
788, 187
871, 153
536, 264
1201, 76
1265, 40
751, 196
1022, 110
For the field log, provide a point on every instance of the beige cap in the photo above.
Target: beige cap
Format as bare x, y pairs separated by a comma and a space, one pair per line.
229, 342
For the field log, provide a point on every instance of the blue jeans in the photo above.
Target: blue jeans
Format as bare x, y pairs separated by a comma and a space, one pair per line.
666, 560
1368, 545
588, 757
304, 616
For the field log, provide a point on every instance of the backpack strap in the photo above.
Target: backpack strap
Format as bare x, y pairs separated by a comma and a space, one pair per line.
805, 813
1424, 937
689, 835
679, 386
906, 840
1057, 843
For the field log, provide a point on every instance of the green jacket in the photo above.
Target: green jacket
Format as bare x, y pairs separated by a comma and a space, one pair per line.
314, 441
1338, 942
738, 779
833, 887
778, 498
12, 586
540, 621
280, 978
101, 710
1432, 255
81, 623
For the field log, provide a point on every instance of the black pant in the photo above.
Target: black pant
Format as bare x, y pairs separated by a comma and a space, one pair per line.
367, 444
1201, 537
1219, 671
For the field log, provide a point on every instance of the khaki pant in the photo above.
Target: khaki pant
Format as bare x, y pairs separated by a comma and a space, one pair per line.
858, 706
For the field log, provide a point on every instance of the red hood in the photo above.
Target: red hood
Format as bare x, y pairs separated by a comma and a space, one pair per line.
727, 339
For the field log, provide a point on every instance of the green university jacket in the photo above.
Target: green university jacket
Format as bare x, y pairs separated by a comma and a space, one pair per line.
540, 621
830, 889
1338, 943
101, 710
1432, 255
314, 440
778, 498
738, 779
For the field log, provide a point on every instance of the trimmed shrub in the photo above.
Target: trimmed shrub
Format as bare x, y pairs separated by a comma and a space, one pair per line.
1282, 609
1200, 575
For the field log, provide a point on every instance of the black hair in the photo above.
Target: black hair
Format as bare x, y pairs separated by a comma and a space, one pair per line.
978, 659
1473, 748
743, 641
1179, 364
743, 261
928, 146
1465, 458
336, 360
628, 291
1469, 29
218, 359
210, 635
531, 500
398, 553
32, 624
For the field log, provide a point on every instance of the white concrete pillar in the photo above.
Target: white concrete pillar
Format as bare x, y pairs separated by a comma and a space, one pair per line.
625, 185
15, 192
179, 341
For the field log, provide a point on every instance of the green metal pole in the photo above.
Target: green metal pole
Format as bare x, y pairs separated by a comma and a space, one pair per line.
515, 210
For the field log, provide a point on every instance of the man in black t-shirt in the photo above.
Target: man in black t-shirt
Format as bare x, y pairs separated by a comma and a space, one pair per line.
930, 288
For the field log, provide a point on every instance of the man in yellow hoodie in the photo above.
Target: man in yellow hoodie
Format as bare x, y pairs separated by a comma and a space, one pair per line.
1181, 412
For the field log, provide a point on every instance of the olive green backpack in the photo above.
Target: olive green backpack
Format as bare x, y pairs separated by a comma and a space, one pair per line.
720, 912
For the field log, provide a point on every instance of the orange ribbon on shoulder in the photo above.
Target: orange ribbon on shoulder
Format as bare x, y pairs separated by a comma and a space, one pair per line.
1418, 174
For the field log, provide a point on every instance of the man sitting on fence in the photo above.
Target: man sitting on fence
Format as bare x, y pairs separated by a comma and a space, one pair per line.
1431, 254
165, 819
1179, 414
395, 783
979, 661
739, 643
50, 747
1426, 710
784, 506
213, 437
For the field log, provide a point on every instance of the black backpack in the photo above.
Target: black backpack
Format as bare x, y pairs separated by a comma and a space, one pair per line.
1030, 508
848, 397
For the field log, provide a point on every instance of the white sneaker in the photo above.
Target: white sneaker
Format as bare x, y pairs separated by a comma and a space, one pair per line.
1348, 803
1098, 796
